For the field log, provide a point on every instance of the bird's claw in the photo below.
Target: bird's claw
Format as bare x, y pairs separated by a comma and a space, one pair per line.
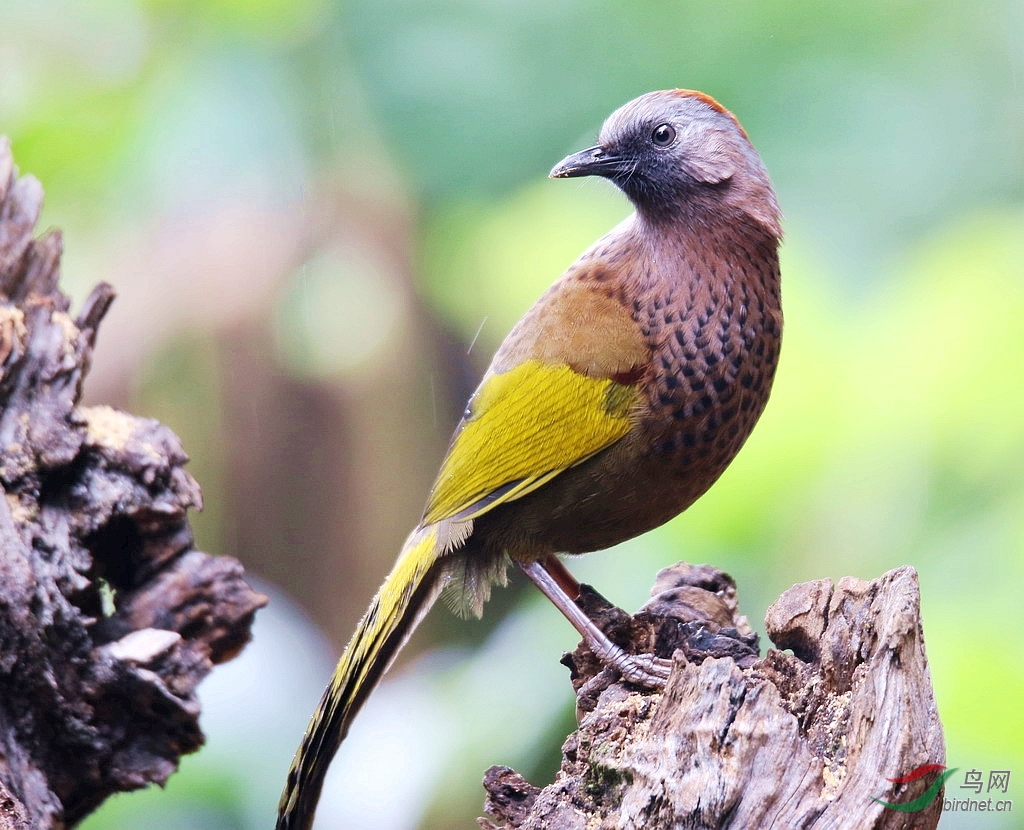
642, 669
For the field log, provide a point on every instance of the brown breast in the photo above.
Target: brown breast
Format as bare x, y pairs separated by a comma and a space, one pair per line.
711, 313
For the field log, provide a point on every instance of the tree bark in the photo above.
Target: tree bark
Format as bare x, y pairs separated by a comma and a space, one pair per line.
794, 740
109, 617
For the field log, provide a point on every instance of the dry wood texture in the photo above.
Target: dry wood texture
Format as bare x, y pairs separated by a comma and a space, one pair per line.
800, 740
108, 615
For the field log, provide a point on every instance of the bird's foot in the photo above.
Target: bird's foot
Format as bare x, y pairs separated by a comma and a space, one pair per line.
642, 669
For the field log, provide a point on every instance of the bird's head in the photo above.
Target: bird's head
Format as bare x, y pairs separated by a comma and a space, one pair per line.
678, 154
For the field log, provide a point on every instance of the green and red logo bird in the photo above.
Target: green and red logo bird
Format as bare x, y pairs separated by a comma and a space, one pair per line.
927, 797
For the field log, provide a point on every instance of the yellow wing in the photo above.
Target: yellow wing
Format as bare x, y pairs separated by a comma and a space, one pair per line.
523, 428
562, 387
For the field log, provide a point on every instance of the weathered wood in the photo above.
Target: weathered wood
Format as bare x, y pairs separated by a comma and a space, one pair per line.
801, 740
108, 615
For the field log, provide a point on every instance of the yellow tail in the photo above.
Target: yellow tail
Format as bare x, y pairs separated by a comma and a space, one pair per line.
405, 597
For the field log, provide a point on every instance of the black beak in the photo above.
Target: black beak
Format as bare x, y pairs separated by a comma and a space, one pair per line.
594, 161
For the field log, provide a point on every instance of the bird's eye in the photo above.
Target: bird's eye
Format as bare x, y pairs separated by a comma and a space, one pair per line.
663, 135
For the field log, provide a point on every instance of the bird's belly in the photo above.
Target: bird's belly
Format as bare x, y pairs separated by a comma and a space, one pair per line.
618, 494
651, 475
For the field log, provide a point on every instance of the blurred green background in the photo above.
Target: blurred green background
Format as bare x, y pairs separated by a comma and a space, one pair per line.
321, 217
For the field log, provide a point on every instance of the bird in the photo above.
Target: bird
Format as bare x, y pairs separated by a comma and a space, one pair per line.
615, 402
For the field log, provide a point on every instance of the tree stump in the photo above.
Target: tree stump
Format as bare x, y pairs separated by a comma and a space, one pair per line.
794, 740
108, 615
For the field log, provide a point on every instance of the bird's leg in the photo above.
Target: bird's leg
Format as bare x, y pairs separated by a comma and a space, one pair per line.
566, 581
642, 669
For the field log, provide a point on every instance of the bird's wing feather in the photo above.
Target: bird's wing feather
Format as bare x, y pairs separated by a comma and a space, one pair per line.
536, 415
524, 427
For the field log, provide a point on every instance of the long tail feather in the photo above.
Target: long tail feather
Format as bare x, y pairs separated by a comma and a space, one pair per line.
405, 597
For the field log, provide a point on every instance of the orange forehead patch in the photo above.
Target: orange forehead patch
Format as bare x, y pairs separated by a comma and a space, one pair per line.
711, 102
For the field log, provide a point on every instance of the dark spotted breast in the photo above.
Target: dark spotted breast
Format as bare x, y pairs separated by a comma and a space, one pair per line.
714, 327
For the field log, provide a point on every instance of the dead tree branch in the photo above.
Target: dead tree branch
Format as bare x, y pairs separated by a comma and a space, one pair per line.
795, 740
108, 615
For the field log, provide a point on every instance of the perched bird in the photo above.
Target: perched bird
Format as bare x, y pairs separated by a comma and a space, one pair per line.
613, 404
